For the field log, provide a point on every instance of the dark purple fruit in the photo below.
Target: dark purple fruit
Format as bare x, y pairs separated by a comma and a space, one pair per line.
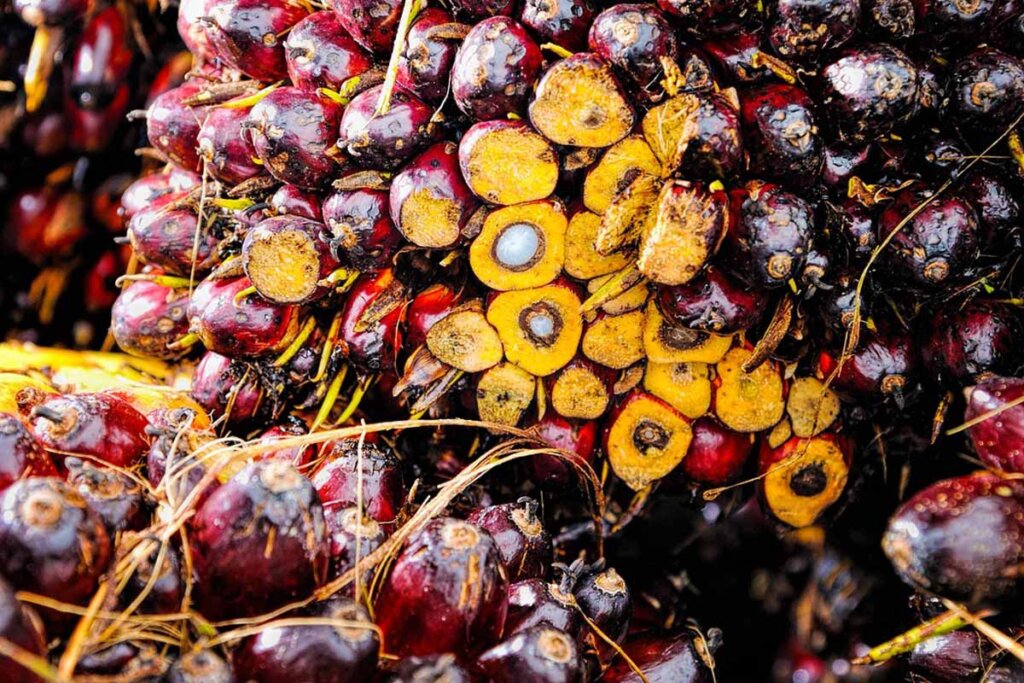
523, 543
733, 57
247, 34
542, 654
320, 54
781, 135
998, 205
173, 127
536, 601
165, 237
430, 669
373, 24
200, 666
986, 92
634, 38
605, 598
662, 658
20, 627
972, 342
854, 228
224, 147
770, 234
147, 317
117, 498
227, 389
346, 464
480, 9
562, 22
494, 68
364, 235
951, 658
804, 29
386, 141
885, 363
712, 303
159, 575
426, 64
21, 454
712, 142
998, 439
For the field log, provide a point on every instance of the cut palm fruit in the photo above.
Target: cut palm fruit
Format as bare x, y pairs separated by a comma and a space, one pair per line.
811, 406
507, 162
689, 226
287, 257
465, 340
646, 439
668, 343
779, 434
582, 260
615, 341
628, 380
748, 401
803, 477
604, 289
520, 246
581, 390
663, 127
580, 102
503, 394
626, 218
684, 386
539, 328
619, 166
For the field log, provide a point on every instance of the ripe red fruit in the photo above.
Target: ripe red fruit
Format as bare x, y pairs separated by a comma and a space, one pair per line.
782, 138
289, 200
371, 23
371, 349
117, 498
224, 147
364, 235
494, 68
998, 439
164, 583
541, 654
884, 364
523, 543
386, 141
258, 541
166, 238
346, 465
717, 455
98, 425
427, 308
147, 317
320, 53
575, 436
242, 328
246, 34
346, 527
173, 127
298, 456
20, 627
661, 658
961, 538
432, 668
224, 387
446, 592
100, 62
425, 66
21, 454
537, 601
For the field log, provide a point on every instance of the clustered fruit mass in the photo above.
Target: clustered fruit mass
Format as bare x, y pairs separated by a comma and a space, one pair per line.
523, 340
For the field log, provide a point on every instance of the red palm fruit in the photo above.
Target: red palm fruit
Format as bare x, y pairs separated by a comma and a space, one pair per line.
365, 237
346, 465
258, 542
939, 243
972, 342
537, 601
173, 127
949, 658
480, 9
43, 223
226, 151
710, 17
287, 258
242, 328
21, 627
605, 598
346, 528
425, 66
292, 131
166, 585
562, 22
320, 53
430, 202
227, 389
147, 190
986, 90
51, 542
289, 200
717, 454
802, 478
298, 456
805, 30
172, 465
575, 436
115, 497
47, 133
634, 38
446, 592
431, 668
386, 141
372, 24
98, 425
105, 202
21, 454
523, 543
712, 139
542, 654
246, 34
884, 364
371, 348
101, 60
713, 302
770, 234
428, 307
166, 238
93, 129
194, 30
999, 438
493, 70
147, 317
200, 666
323, 653
782, 139
961, 538
734, 58
173, 73
662, 658
998, 207
870, 90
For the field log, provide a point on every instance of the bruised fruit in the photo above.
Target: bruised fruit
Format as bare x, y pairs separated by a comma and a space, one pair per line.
465, 339
374, 25
387, 140
771, 234
426, 62
247, 34
147, 318
634, 38
687, 230
21, 454
172, 240
503, 394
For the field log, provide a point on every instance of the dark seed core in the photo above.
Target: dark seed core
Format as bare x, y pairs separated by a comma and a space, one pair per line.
648, 434
809, 481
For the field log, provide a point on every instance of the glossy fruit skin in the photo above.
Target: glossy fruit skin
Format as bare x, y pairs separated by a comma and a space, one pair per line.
438, 563
958, 537
19, 626
147, 316
364, 234
374, 25
220, 382
299, 456
973, 342
950, 658
710, 17
1000, 215
250, 328
781, 134
606, 600
344, 530
523, 542
428, 307
986, 92
804, 29
322, 653
575, 436
562, 22
634, 37
239, 572
661, 658
717, 455
733, 55
319, 53
713, 302
145, 191
542, 654
854, 229
289, 200
291, 131
536, 601
387, 141
101, 61
374, 349
770, 234
224, 147
116, 498
938, 244
98, 425
480, 9
493, 69
245, 35
166, 239
200, 666
21, 454
426, 63
951, 20
337, 480
884, 364
430, 668
167, 589
998, 440
173, 127
865, 108
51, 542
715, 149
